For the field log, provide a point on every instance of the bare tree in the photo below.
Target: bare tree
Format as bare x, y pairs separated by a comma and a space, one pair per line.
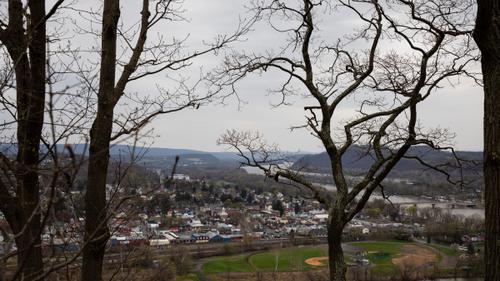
409, 49
23, 35
143, 60
488, 39
126, 55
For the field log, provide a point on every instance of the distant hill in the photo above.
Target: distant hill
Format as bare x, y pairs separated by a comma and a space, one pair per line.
148, 152
356, 160
121, 149
150, 156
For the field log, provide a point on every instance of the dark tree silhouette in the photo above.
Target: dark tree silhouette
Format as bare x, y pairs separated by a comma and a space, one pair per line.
115, 74
23, 35
487, 36
432, 39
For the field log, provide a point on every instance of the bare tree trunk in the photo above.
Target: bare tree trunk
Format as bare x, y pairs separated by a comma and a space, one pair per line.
491, 72
487, 36
336, 262
25, 226
30, 81
96, 230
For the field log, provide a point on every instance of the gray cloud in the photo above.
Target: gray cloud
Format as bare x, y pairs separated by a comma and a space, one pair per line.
459, 109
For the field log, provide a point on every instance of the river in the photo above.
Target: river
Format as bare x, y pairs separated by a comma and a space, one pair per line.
424, 203
398, 199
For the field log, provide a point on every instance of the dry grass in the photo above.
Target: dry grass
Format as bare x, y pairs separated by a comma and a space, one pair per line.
416, 256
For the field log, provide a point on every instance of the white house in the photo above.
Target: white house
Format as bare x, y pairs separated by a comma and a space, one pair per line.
160, 240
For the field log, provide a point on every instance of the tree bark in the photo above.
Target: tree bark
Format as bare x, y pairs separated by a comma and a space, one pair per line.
29, 56
96, 230
487, 36
26, 222
491, 72
337, 265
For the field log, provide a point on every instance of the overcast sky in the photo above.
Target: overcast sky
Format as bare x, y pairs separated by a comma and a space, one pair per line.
459, 109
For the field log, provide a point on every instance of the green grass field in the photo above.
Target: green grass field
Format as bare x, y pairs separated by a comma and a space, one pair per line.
283, 260
444, 249
380, 255
388, 247
237, 263
286, 260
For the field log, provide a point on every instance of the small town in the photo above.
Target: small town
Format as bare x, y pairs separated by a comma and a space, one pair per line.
209, 221
250, 140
